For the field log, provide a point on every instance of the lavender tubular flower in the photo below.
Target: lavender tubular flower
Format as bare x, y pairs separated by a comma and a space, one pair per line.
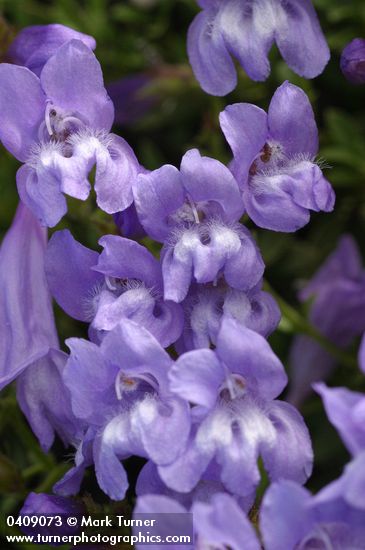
247, 29
124, 281
27, 329
58, 125
274, 160
194, 212
127, 375
353, 61
235, 419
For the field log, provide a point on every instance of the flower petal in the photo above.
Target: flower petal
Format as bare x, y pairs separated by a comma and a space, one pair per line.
248, 32
345, 409
291, 121
71, 280
46, 402
208, 55
90, 379
291, 456
73, 81
22, 107
206, 179
285, 516
41, 193
222, 522
163, 427
116, 170
245, 128
196, 377
157, 195
247, 353
300, 39
126, 259
34, 45
27, 328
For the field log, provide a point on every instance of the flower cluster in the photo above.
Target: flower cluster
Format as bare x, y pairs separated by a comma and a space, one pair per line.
177, 368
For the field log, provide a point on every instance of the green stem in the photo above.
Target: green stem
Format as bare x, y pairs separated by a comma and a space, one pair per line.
301, 324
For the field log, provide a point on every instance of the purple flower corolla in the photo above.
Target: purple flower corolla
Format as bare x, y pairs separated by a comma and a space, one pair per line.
206, 306
27, 329
58, 125
337, 312
124, 281
195, 212
42, 504
34, 45
136, 413
218, 524
246, 30
274, 157
46, 402
353, 61
236, 417
293, 519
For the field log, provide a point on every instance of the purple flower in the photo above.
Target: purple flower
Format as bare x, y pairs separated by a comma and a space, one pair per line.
194, 212
353, 61
274, 160
235, 416
27, 329
34, 45
41, 504
124, 281
58, 125
247, 29
136, 413
292, 518
337, 311
218, 524
206, 306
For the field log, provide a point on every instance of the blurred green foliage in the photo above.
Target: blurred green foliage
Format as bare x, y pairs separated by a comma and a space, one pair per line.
132, 39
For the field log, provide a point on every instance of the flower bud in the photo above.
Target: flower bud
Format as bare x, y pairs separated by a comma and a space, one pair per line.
353, 61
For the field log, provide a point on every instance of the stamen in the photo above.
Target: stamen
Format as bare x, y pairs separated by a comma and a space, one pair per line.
318, 535
124, 384
49, 108
194, 209
234, 385
109, 283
